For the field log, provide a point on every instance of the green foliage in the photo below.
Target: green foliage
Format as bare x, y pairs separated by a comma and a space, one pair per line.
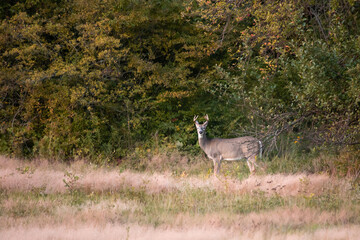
295, 73
104, 79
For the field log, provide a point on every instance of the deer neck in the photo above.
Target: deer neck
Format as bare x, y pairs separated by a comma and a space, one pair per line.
203, 141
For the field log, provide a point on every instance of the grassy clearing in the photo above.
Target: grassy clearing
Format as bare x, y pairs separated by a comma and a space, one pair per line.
137, 206
42, 200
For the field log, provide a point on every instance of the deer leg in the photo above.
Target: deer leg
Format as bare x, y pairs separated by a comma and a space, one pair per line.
217, 163
249, 165
215, 166
218, 167
252, 161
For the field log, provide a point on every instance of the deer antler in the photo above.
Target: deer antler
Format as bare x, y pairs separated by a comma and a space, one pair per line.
206, 117
195, 117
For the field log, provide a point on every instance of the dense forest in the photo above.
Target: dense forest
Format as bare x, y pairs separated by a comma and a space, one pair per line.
107, 79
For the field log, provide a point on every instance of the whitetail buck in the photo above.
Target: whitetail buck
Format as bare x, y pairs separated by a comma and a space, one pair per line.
230, 149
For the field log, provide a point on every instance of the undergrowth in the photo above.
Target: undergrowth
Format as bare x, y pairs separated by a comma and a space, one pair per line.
291, 161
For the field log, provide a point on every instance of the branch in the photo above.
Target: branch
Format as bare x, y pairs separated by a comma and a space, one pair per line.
319, 23
224, 30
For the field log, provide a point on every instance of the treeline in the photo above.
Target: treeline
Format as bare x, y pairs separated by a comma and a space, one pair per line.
102, 79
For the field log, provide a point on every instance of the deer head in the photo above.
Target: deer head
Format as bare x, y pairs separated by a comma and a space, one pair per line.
200, 128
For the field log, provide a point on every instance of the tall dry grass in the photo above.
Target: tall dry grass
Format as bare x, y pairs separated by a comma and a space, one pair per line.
42, 200
111, 231
19, 176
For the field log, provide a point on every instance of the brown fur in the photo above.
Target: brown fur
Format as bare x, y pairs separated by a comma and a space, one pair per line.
218, 149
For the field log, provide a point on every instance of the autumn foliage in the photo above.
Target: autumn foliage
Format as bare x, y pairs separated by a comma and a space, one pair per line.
104, 79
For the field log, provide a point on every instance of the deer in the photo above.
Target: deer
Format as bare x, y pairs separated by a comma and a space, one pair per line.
230, 149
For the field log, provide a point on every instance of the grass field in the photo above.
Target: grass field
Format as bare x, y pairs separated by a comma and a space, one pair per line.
42, 200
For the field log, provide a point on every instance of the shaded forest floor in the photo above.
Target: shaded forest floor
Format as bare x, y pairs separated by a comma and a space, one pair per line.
42, 200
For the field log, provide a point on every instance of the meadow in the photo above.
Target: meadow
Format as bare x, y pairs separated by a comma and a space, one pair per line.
51, 200
97, 106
